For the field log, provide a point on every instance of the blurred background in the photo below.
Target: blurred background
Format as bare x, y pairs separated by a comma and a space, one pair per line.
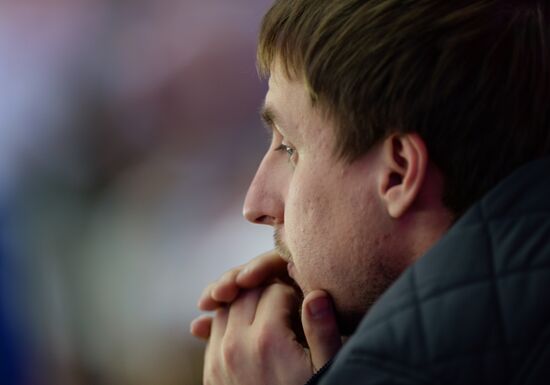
128, 136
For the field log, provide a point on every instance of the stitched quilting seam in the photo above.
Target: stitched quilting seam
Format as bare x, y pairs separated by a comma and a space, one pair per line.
391, 366
494, 285
483, 280
498, 219
446, 359
419, 315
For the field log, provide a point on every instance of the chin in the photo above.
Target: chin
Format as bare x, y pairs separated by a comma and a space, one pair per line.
347, 320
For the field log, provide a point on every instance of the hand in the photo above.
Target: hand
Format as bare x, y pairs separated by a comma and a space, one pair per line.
252, 341
259, 271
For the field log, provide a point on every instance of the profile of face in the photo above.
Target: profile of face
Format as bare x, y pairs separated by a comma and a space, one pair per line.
331, 218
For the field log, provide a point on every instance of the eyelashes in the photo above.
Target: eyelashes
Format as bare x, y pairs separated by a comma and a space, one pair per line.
288, 149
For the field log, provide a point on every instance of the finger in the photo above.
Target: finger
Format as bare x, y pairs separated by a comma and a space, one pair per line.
226, 289
219, 325
206, 302
262, 269
221, 292
200, 327
278, 305
243, 310
320, 327
212, 368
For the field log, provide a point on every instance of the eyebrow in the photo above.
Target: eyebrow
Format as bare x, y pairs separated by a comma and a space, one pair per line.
272, 121
269, 117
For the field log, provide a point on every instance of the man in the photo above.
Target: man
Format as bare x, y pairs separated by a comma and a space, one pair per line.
408, 169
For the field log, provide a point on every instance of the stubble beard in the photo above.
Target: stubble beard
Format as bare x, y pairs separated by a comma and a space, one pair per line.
285, 253
348, 321
346, 327
280, 246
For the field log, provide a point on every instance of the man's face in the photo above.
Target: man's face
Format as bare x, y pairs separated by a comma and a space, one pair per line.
329, 221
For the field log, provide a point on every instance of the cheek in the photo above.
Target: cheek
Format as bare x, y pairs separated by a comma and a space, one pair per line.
310, 232
326, 225
305, 211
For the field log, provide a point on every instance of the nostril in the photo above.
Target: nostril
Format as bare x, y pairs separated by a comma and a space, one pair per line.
259, 217
264, 220
263, 205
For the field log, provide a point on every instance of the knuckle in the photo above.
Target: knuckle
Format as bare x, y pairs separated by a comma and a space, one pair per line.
254, 264
251, 293
228, 276
221, 315
280, 290
265, 342
225, 283
211, 374
230, 352
211, 371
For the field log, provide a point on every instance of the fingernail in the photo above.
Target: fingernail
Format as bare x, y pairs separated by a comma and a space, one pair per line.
192, 326
319, 307
199, 303
243, 272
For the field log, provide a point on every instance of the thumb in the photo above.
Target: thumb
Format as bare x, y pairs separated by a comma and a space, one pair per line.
320, 328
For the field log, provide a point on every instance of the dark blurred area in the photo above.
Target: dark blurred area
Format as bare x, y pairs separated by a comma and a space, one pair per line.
128, 134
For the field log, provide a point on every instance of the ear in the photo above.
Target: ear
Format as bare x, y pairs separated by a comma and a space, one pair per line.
404, 158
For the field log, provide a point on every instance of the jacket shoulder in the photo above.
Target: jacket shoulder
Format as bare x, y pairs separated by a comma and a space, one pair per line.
472, 308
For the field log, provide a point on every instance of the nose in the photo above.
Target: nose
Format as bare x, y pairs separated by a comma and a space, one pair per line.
264, 202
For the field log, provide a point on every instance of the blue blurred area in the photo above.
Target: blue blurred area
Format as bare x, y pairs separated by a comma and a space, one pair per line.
128, 137
14, 357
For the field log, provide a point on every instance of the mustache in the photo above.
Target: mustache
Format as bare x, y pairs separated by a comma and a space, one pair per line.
280, 246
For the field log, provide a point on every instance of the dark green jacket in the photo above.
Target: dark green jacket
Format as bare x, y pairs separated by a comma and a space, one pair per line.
475, 309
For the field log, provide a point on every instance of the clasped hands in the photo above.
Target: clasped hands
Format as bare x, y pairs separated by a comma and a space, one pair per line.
254, 336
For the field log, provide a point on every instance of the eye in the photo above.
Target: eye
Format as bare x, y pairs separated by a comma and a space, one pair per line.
289, 150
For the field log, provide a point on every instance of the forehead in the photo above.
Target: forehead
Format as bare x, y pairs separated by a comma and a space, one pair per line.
297, 118
289, 101
285, 90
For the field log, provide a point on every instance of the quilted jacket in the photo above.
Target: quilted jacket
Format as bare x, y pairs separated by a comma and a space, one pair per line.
475, 309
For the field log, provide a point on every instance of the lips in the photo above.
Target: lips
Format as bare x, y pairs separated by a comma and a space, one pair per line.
291, 270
